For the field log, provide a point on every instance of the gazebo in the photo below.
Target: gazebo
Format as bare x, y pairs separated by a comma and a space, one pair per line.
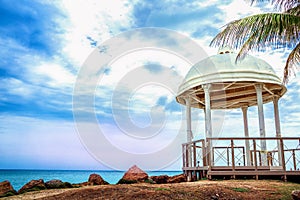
219, 82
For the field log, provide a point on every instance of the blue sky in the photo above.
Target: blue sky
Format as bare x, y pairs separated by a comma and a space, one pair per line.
46, 43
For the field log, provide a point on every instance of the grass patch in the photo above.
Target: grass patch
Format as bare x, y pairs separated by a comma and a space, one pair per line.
33, 189
124, 181
240, 189
149, 181
286, 190
162, 189
10, 193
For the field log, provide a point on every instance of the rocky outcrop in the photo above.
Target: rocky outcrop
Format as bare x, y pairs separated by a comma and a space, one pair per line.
33, 185
56, 184
6, 189
134, 175
96, 179
168, 179
160, 179
296, 194
177, 178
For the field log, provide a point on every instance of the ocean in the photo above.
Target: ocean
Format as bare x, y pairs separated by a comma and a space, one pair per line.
18, 178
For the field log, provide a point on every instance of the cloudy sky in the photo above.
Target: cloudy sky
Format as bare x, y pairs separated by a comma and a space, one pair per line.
57, 113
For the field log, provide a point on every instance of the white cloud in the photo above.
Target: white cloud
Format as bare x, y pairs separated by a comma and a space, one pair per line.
55, 74
98, 20
238, 9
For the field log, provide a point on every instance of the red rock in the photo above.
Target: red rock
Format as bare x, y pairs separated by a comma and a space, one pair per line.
33, 185
160, 179
6, 188
54, 184
96, 179
296, 194
134, 175
177, 178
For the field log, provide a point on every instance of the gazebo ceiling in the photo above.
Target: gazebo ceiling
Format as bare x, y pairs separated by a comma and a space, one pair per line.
232, 84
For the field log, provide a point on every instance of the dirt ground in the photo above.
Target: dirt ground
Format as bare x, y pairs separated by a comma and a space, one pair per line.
227, 189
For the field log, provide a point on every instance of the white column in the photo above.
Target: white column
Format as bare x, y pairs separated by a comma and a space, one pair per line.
263, 144
188, 120
246, 131
277, 126
189, 132
208, 126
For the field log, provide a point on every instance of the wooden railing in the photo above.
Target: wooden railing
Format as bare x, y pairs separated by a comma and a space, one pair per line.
281, 153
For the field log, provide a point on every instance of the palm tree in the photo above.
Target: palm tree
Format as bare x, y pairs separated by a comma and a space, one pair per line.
275, 30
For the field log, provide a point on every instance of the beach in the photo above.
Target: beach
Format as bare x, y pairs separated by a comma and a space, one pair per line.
204, 189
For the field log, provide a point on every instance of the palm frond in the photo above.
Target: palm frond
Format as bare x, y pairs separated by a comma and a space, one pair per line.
292, 62
258, 32
294, 11
263, 30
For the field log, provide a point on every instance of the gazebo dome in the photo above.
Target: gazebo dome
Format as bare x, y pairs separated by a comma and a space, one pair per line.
232, 83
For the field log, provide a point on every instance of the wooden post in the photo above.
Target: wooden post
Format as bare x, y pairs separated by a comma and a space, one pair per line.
183, 155
255, 159
187, 155
246, 131
213, 156
252, 163
232, 157
294, 160
244, 157
263, 144
228, 163
194, 154
283, 158
203, 153
277, 126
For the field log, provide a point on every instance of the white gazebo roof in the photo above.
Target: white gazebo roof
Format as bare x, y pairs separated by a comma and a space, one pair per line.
232, 83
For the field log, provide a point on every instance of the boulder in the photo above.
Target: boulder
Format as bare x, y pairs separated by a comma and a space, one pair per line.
33, 185
160, 179
96, 179
56, 184
6, 189
134, 175
78, 185
296, 194
177, 178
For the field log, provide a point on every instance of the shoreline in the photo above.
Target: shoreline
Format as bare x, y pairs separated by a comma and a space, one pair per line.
204, 189
19, 177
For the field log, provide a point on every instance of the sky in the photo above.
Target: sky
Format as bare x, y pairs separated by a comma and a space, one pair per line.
81, 89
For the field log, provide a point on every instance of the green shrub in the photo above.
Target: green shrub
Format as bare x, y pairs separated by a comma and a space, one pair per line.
240, 189
162, 189
124, 181
10, 193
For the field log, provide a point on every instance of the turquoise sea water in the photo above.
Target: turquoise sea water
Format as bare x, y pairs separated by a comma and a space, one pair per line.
18, 178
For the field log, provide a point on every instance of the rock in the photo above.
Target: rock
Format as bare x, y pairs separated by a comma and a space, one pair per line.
133, 175
177, 178
96, 179
160, 179
296, 194
33, 185
214, 197
78, 185
56, 184
6, 189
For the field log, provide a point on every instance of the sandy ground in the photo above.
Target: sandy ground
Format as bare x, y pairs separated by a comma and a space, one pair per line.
229, 189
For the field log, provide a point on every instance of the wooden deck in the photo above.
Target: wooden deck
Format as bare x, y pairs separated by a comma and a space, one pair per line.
228, 159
